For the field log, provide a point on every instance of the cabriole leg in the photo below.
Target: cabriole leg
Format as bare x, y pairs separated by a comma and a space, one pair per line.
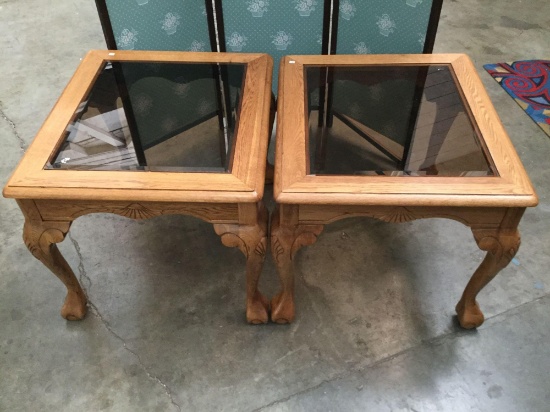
252, 242
501, 247
286, 240
41, 238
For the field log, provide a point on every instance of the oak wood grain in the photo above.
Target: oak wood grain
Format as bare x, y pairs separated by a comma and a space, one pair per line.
67, 209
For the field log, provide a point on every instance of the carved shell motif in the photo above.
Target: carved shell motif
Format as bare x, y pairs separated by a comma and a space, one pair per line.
397, 215
277, 248
137, 211
261, 247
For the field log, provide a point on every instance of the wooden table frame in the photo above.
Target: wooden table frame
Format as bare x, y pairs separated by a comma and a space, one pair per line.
491, 206
51, 199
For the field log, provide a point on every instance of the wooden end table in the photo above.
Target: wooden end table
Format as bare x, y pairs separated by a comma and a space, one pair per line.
396, 138
145, 134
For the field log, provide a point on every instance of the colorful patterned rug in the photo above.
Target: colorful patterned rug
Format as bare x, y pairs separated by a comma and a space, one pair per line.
528, 82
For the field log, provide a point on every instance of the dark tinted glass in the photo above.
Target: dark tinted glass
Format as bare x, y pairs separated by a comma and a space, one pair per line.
156, 116
392, 120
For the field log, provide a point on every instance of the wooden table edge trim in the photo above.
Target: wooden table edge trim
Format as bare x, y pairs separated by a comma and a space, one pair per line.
33, 159
495, 137
375, 59
401, 199
253, 175
168, 56
194, 196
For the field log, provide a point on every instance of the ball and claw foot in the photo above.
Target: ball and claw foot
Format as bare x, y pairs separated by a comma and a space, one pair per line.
282, 309
74, 307
469, 316
257, 310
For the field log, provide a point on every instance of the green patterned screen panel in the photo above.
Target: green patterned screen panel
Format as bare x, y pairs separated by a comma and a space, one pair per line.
277, 27
382, 27
159, 24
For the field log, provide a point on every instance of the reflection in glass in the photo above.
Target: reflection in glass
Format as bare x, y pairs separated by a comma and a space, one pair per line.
390, 120
156, 116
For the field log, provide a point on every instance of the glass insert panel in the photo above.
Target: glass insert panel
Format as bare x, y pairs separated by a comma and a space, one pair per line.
391, 120
156, 116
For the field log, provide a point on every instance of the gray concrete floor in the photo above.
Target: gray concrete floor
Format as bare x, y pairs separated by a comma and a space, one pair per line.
375, 328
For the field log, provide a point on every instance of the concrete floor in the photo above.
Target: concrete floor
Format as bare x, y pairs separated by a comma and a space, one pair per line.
375, 327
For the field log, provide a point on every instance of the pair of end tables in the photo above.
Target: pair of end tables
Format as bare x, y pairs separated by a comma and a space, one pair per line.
392, 137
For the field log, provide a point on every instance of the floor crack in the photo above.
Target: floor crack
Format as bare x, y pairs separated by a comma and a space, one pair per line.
81, 269
95, 311
289, 397
145, 368
22, 144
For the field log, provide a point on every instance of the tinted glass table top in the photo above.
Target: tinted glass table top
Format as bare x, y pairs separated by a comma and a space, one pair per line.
392, 120
156, 116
